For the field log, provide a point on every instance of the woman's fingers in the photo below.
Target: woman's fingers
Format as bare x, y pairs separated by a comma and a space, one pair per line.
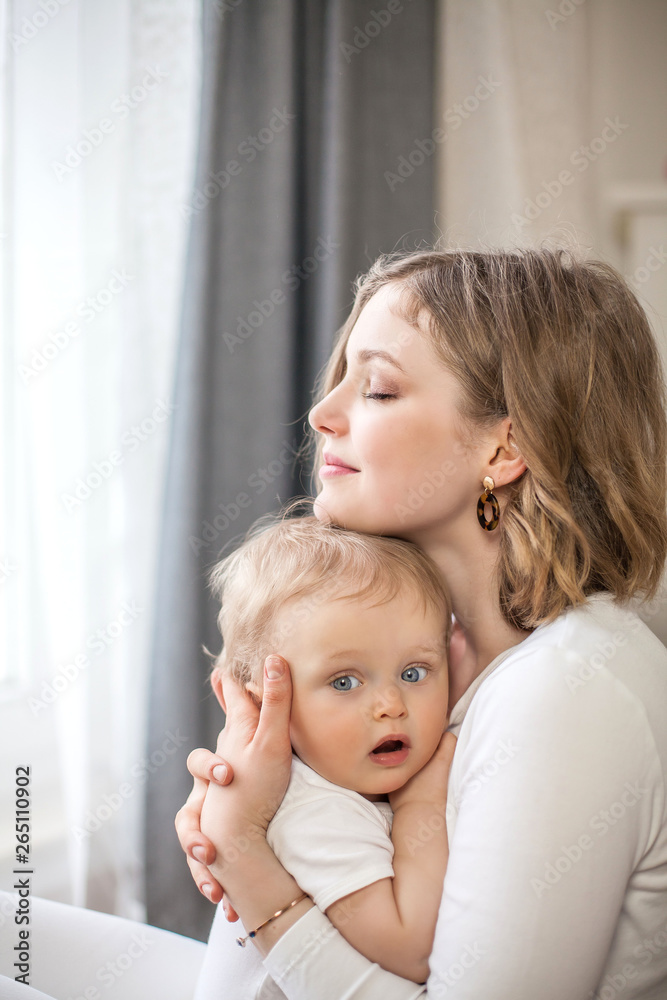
206, 766
446, 750
447, 747
241, 709
207, 885
230, 913
187, 822
274, 715
198, 848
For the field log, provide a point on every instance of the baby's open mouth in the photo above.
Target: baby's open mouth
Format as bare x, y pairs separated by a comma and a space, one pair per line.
389, 746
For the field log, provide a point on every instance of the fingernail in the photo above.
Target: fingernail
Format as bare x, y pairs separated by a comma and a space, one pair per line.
200, 854
220, 772
274, 667
206, 889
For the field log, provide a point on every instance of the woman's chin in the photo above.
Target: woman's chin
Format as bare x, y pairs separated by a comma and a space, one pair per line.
321, 512
327, 513
348, 516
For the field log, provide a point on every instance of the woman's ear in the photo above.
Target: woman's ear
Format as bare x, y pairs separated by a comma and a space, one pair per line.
216, 684
507, 463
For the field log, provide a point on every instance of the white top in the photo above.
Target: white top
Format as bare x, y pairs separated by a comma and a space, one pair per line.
557, 880
333, 841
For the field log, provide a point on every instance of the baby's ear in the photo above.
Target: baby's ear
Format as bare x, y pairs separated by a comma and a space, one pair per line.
255, 692
216, 684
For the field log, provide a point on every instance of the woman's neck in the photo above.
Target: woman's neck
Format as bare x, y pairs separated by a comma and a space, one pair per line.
481, 633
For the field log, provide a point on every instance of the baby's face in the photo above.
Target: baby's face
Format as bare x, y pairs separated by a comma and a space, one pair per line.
362, 674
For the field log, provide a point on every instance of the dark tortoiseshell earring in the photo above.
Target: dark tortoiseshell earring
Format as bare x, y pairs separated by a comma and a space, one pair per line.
488, 497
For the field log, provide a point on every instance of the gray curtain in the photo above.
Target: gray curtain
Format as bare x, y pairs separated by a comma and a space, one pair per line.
305, 107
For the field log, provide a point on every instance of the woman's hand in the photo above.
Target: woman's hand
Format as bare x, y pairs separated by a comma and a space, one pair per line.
255, 749
430, 784
205, 767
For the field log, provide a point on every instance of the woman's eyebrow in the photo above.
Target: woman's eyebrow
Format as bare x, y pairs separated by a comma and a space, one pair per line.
368, 355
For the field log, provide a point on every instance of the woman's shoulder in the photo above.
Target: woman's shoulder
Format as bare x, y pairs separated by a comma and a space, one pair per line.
600, 638
597, 666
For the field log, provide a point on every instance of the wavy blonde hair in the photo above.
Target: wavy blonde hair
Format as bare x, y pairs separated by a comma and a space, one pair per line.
562, 346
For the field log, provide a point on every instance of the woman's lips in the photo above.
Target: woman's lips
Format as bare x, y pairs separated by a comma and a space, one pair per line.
329, 471
335, 467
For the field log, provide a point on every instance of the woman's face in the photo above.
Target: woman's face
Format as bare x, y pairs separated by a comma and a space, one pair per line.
394, 423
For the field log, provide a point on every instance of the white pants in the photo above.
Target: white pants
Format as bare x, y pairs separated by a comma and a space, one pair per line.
85, 955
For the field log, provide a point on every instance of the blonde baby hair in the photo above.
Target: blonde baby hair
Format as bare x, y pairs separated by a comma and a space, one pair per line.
303, 562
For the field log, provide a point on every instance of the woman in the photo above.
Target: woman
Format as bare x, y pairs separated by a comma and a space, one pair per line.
538, 372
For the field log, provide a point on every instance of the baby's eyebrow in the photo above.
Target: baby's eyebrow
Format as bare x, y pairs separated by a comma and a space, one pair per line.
425, 647
344, 654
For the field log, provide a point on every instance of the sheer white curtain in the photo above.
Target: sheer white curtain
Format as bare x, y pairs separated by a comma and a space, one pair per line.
99, 116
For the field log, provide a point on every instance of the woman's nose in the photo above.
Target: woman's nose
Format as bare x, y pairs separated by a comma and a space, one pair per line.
327, 417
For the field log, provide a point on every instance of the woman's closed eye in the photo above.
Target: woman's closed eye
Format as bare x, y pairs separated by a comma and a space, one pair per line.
378, 388
379, 395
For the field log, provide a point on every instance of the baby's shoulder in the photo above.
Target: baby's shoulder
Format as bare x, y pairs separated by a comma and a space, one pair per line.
312, 802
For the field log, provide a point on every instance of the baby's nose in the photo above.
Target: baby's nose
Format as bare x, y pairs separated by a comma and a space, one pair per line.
389, 702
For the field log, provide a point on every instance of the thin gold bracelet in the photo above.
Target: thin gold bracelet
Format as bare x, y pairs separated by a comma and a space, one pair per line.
242, 940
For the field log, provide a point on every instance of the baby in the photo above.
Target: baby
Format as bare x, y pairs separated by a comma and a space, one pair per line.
364, 623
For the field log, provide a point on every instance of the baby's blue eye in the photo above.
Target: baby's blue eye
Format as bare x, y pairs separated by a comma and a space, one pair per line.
412, 671
349, 683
